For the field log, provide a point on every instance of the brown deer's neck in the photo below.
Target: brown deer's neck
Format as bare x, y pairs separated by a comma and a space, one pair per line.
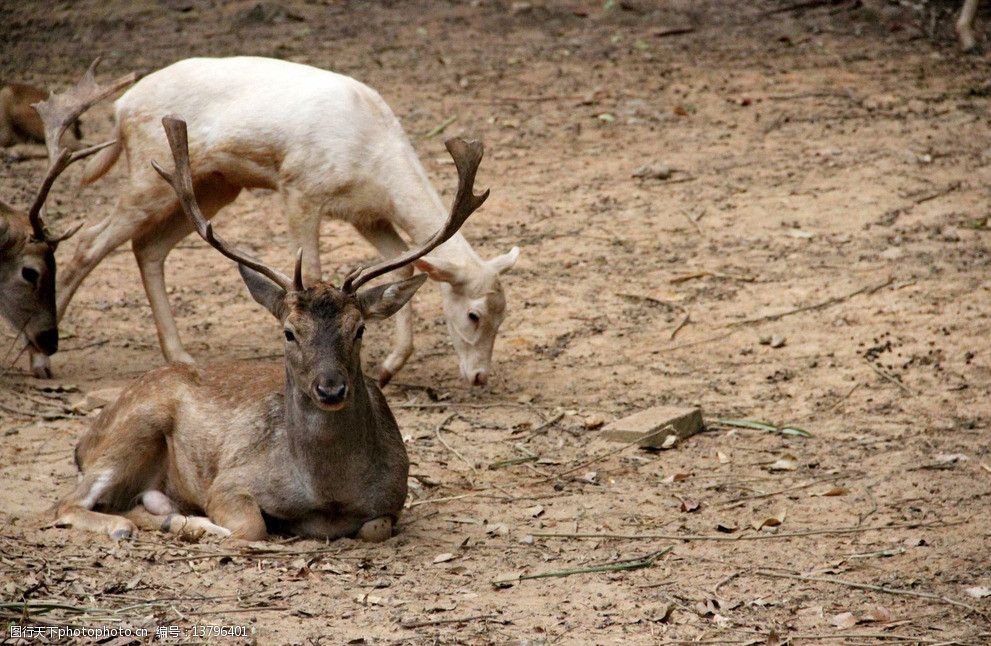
318, 437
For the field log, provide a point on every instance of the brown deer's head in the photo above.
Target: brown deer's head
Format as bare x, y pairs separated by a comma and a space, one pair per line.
27, 281
27, 246
323, 324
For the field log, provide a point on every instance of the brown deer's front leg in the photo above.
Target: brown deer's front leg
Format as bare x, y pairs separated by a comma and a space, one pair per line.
238, 513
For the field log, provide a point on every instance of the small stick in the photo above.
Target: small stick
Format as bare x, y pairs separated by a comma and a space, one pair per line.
892, 379
685, 321
666, 429
452, 620
448, 446
868, 289
759, 496
528, 99
616, 566
843, 398
440, 127
416, 503
745, 537
673, 31
875, 588
543, 427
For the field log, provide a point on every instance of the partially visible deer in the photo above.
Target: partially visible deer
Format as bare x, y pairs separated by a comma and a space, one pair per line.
965, 25
309, 447
19, 121
329, 145
27, 246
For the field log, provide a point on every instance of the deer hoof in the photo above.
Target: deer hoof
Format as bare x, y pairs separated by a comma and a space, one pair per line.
41, 366
377, 530
122, 531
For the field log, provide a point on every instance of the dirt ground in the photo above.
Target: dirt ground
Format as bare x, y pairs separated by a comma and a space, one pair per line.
829, 189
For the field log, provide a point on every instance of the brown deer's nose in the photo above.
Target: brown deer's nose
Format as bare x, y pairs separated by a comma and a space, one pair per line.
47, 341
331, 393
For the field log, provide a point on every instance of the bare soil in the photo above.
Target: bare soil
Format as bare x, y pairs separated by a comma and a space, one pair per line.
833, 158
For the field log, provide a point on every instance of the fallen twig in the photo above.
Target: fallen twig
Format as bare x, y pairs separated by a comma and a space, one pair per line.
615, 566
869, 289
450, 448
685, 321
451, 620
715, 274
440, 127
543, 427
667, 430
744, 537
875, 588
892, 379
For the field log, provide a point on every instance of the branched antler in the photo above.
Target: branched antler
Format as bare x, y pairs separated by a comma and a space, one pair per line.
467, 156
58, 113
182, 183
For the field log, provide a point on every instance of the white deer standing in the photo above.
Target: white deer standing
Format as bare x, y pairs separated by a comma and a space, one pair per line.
329, 145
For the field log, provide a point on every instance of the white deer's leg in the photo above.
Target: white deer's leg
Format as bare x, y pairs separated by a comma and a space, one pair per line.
151, 248
965, 25
150, 251
383, 237
304, 233
93, 244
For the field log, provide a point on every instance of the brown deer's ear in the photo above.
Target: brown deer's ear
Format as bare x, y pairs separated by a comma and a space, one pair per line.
381, 302
265, 292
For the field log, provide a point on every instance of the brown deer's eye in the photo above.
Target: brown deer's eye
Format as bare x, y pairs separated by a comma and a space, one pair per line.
30, 275
360, 333
474, 317
289, 335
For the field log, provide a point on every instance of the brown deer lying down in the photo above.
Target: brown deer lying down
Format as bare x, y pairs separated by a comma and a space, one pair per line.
309, 448
27, 245
19, 122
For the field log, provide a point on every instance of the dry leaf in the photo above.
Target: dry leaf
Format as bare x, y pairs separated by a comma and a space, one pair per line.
770, 521
677, 477
950, 458
786, 462
834, 491
844, 620
726, 528
690, 505
535, 511
723, 458
443, 558
497, 529
880, 614
979, 592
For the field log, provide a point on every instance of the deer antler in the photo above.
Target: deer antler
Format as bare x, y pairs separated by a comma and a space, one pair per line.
182, 183
467, 156
57, 114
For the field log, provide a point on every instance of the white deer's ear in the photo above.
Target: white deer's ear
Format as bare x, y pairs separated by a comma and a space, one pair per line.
264, 291
442, 271
383, 301
502, 264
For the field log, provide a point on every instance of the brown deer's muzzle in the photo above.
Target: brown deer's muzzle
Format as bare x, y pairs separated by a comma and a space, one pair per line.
46, 341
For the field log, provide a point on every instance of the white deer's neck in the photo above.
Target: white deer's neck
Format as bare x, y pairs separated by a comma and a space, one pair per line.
420, 212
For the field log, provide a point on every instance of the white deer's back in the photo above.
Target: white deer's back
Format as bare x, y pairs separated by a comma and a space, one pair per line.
271, 121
